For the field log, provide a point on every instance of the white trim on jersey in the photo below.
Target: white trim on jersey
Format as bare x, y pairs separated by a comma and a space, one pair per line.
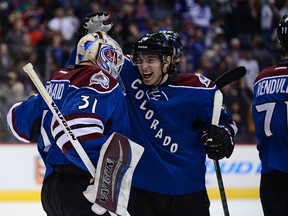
10, 124
88, 126
46, 141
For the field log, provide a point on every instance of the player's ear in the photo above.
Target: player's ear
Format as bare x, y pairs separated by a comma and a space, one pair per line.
168, 61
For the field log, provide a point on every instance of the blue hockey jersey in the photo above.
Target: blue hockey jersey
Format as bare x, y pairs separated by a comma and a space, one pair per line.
168, 121
93, 105
270, 107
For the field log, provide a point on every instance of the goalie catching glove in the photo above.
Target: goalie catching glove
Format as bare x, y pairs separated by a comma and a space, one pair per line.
92, 23
218, 143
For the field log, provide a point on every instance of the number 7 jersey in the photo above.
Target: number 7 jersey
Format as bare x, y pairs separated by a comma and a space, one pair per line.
270, 113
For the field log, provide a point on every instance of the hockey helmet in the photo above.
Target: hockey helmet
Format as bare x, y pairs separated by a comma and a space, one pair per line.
152, 43
282, 32
163, 43
175, 41
100, 49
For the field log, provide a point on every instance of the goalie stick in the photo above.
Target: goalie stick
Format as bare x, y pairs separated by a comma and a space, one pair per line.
225, 79
28, 68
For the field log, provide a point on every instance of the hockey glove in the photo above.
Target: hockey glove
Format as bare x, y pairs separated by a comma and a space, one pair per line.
218, 144
92, 23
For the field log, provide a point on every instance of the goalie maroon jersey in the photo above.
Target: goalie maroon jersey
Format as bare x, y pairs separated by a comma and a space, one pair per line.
92, 103
168, 121
270, 115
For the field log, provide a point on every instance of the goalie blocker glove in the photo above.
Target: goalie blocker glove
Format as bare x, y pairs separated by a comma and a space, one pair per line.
219, 143
92, 23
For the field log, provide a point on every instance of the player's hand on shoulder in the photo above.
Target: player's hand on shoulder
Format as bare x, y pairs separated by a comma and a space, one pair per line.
92, 23
218, 144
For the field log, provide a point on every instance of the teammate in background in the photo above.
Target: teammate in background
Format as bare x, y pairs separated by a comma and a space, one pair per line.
270, 105
94, 107
168, 113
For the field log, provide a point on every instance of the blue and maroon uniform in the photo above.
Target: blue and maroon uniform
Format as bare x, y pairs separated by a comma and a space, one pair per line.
270, 107
93, 105
168, 121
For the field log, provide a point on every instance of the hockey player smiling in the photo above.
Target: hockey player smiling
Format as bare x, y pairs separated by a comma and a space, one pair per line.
168, 112
152, 70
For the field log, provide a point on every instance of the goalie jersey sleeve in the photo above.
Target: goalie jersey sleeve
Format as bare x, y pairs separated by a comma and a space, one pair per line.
93, 105
269, 110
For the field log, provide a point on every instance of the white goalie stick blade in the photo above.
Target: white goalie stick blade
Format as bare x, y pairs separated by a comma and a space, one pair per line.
117, 161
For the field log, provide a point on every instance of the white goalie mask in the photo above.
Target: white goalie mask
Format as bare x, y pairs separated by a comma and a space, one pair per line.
100, 49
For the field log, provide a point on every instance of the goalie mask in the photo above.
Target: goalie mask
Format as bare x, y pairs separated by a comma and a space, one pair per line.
100, 49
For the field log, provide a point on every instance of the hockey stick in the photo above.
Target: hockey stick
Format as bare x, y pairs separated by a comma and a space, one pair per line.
225, 79
218, 99
28, 68
230, 76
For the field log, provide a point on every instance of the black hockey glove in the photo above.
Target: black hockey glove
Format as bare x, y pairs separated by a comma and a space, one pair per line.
220, 144
92, 23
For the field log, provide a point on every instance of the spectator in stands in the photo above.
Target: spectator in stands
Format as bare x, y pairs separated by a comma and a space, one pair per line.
129, 28
6, 7
15, 39
201, 15
70, 23
269, 18
251, 65
16, 87
5, 59
33, 30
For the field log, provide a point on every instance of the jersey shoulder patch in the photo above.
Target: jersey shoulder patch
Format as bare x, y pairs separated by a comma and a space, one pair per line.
88, 76
194, 80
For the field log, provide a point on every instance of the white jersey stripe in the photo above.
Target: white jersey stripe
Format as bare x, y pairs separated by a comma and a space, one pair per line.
83, 121
78, 133
10, 124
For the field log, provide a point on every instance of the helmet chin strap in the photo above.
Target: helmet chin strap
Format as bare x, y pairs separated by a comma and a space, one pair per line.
162, 77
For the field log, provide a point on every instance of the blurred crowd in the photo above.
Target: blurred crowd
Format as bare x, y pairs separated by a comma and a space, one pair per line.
217, 35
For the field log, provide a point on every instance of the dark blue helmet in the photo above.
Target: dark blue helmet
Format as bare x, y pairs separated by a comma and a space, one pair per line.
282, 32
163, 43
175, 41
156, 43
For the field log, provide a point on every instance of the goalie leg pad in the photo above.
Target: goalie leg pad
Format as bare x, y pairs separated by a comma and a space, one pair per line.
117, 161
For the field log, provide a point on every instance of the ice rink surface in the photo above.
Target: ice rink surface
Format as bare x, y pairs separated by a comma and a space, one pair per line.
237, 207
